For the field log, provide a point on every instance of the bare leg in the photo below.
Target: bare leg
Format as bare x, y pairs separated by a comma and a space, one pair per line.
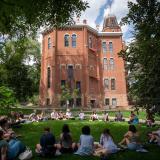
38, 148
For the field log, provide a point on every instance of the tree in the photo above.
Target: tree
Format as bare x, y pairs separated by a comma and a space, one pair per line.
7, 98
15, 69
143, 54
22, 17
66, 94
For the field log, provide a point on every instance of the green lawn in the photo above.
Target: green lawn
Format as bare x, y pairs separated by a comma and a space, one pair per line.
32, 132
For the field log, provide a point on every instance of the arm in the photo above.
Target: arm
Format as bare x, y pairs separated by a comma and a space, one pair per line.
3, 153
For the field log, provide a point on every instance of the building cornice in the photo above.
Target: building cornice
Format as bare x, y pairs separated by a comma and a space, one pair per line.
88, 27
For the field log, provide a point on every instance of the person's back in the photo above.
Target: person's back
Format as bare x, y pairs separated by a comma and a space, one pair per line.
47, 142
66, 140
107, 142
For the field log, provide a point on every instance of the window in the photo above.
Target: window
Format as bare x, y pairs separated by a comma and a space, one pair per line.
49, 43
74, 38
66, 40
78, 66
114, 102
63, 83
105, 63
78, 102
106, 102
48, 77
111, 47
104, 47
90, 42
78, 86
48, 101
70, 71
106, 83
113, 84
111, 63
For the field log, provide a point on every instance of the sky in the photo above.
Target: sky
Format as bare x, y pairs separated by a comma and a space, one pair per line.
100, 8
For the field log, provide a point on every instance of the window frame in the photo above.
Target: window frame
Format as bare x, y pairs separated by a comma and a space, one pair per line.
74, 41
66, 39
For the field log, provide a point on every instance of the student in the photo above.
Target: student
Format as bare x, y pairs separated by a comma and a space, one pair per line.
66, 142
107, 145
81, 115
86, 143
106, 116
94, 116
131, 139
54, 115
68, 114
10, 150
119, 116
150, 119
47, 146
133, 118
154, 137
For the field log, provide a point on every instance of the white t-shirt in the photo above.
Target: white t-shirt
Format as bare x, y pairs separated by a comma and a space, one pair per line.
81, 115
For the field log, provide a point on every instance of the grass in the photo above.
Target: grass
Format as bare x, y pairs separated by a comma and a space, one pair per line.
31, 134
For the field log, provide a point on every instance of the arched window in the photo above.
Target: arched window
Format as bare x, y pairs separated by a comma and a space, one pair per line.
49, 43
48, 77
90, 42
104, 47
66, 40
111, 47
74, 40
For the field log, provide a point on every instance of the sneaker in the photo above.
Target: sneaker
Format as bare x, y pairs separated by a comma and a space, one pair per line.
142, 150
58, 153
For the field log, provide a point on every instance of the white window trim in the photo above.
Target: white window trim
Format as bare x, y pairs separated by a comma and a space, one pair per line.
112, 100
78, 65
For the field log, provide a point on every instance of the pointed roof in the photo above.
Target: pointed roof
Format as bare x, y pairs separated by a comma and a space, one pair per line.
110, 21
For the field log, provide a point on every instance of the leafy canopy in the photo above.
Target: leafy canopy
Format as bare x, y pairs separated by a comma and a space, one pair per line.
18, 17
143, 54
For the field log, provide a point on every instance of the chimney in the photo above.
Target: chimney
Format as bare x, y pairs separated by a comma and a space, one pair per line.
97, 26
84, 21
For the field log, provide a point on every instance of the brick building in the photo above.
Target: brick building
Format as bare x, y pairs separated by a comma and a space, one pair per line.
85, 58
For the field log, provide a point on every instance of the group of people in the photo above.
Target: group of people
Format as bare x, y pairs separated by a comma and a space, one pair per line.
86, 145
10, 146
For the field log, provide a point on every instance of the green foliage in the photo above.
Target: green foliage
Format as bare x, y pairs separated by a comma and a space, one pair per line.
15, 69
66, 93
24, 17
7, 98
143, 54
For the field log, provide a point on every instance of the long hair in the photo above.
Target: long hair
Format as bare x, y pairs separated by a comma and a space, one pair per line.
106, 133
132, 128
65, 131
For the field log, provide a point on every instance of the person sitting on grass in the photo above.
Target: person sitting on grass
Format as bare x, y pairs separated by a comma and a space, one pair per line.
106, 116
86, 143
131, 140
154, 137
150, 119
47, 146
119, 116
54, 115
94, 116
66, 142
81, 115
69, 114
10, 149
133, 118
107, 145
